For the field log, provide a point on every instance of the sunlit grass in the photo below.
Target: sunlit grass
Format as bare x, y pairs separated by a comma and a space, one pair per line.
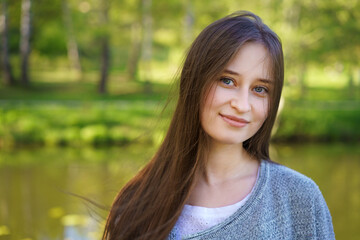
4, 230
80, 123
56, 86
326, 77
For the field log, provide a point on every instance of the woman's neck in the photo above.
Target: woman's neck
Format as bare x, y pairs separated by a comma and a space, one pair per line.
226, 162
229, 175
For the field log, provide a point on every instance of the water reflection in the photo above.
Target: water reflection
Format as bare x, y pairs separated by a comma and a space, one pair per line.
36, 186
35, 199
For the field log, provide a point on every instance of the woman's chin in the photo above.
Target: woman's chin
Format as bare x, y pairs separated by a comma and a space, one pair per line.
227, 141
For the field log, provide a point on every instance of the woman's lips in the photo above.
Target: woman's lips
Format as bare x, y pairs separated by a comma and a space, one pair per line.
234, 121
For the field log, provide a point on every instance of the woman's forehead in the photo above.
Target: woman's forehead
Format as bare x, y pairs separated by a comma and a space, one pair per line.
251, 58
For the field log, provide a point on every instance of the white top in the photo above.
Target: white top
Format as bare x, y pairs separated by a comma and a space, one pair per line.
195, 219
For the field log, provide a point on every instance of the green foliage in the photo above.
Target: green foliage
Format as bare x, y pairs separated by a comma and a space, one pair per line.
51, 40
78, 123
319, 121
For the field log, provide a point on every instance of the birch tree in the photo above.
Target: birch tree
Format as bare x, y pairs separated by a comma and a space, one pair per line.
188, 23
72, 46
147, 37
104, 44
135, 50
6, 66
25, 31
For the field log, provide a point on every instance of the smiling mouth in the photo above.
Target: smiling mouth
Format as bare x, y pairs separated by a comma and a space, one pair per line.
234, 121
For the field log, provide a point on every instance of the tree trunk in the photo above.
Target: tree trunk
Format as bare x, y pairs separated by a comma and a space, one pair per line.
351, 84
147, 43
25, 40
188, 23
72, 46
105, 62
302, 82
358, 79
6, 66
135, 52
105, 53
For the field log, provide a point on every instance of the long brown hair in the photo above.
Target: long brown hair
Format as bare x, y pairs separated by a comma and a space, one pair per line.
149, 204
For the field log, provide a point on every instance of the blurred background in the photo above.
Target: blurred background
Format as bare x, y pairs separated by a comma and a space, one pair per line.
83, 85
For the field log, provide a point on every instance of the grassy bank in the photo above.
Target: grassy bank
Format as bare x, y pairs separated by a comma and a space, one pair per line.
122, 122
79, 123
319, 121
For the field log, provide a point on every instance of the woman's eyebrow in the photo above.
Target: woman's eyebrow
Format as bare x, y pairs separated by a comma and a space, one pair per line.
264, 80
267, 81
231, 72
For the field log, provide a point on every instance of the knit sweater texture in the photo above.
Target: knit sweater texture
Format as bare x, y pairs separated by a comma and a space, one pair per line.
284, 204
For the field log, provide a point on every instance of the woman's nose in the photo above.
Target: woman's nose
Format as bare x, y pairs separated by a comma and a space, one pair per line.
240, 101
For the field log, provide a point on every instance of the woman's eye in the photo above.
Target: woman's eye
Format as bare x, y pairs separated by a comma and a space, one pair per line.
227, 81
261, 90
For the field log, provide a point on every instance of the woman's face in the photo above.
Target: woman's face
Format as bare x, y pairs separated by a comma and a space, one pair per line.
237, 103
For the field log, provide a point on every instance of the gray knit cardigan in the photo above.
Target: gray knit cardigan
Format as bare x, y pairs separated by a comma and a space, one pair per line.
284, 204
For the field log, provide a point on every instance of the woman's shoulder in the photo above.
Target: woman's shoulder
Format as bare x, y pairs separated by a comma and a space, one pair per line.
287, 180
290, 193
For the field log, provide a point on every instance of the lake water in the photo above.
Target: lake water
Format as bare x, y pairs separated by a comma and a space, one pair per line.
42, 190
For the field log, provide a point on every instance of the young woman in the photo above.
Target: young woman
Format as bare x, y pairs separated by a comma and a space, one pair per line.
212, 177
